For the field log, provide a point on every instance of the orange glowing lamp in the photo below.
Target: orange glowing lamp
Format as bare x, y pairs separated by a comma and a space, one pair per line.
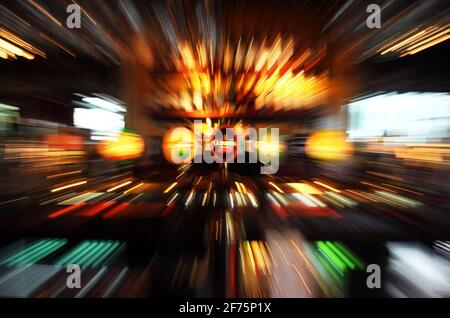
125, 146
328, 145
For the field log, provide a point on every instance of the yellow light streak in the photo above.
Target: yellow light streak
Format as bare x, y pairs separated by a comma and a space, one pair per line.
170, 187
119, 186
327, 186
276, 187
68, 186
133, 188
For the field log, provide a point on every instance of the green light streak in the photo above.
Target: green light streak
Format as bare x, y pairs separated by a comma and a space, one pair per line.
87, 259
355, 259
36, 254
69, 255
40, 254
24, 251
331, 269
100, 255
89, 253
330, 255
29, 254
348, 262
112, 248
86, 253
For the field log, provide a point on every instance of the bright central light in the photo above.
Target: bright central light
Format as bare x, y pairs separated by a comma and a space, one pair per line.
98, 120
104, 104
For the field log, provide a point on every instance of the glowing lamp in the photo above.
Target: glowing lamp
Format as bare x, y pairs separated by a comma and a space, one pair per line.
328, 145
125, 146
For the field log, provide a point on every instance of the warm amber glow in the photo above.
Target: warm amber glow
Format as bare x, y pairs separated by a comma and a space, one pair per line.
304, 188
419, 41
329, 145
289, 90
429, 44
126, 146
12, 50
8, 36
403, 43
272, 76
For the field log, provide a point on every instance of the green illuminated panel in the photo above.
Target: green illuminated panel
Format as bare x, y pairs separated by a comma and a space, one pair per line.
35, 252
89, 253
